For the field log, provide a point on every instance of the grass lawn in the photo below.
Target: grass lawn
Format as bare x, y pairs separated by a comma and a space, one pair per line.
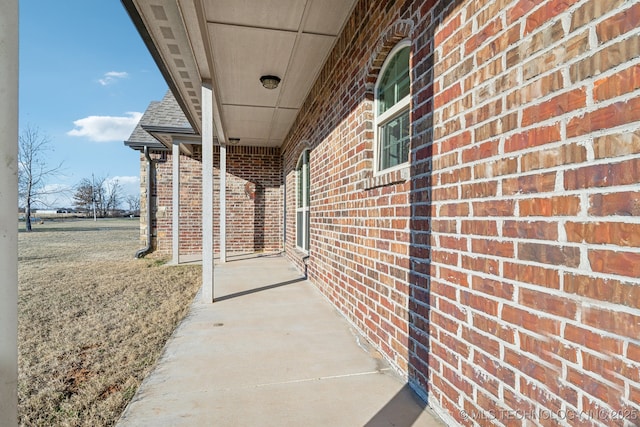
92, 320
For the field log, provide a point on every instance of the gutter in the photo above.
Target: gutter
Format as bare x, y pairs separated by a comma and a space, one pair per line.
144, 251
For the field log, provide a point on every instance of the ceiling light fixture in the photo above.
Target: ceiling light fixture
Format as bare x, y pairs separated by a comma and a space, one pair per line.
234, 141
270, 82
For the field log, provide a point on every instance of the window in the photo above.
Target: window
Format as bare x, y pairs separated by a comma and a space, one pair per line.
303, 200
392, 109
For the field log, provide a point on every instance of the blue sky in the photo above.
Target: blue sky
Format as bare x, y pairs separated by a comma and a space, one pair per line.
85, 78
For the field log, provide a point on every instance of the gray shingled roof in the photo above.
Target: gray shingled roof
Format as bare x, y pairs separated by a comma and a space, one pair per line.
166, 114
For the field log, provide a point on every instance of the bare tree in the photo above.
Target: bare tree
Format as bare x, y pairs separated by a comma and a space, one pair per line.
104, 192
33, 170
134, 204
113, 195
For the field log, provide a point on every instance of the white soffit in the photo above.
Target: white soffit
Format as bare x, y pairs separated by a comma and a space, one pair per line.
308, 58
282, 122
327, 16
250, 122
241, 55
233, 43
278, 14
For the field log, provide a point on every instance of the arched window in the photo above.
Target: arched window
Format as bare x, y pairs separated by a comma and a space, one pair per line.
392, 109
303, 200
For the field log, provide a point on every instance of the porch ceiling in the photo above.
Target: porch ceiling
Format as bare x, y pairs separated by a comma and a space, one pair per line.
231, 43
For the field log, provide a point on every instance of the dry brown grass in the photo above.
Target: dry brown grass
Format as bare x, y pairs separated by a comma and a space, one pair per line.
92, 319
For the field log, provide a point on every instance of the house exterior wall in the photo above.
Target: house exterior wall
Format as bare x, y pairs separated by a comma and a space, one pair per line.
254, 201
500, 270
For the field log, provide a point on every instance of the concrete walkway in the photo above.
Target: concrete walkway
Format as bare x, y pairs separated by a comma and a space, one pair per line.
271, 351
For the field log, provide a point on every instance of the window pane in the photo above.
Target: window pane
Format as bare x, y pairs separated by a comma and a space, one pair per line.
394, 141
394, 83
307, 198
299, 188
306, 223
299, 228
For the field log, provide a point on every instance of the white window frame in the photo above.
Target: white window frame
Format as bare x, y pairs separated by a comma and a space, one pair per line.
381, 119
303, 176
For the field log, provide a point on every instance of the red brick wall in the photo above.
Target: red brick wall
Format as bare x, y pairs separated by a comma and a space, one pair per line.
501, 272
254, 202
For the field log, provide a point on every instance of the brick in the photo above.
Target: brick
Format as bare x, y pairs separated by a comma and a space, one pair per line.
611, 262
533, 274
485, 382
536, 370
612, 233
593, 340
552, 157
620, 323
498, 45
494, 168
492, 247
603, 175
624, 203
551, 206
532, 138
479, 302
591, 10
487, 111
493, 287
491, 326
608, 290
538, 230
492, 208
530, 321
494, 368
546, 13
484, 227
480, 36
527, 184
618, 24
533, 90
488, 344
555, 107
480, 151
549, 254
547, 303
480, 264
560, 54
592, 386
521, 8
633, 352
616, 145
606, 59
618, 84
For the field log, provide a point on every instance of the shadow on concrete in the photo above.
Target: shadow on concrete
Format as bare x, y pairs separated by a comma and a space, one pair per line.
260, 289
403, 410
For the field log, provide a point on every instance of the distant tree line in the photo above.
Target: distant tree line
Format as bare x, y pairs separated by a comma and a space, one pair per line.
104, 195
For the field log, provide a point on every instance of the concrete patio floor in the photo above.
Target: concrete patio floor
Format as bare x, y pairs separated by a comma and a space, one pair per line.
271, 351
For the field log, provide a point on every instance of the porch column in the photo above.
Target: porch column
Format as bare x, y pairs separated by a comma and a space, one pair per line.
175, 224
223, 202
8, 211
207, 193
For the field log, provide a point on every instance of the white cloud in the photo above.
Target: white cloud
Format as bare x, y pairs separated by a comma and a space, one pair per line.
106, 128
112, 77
